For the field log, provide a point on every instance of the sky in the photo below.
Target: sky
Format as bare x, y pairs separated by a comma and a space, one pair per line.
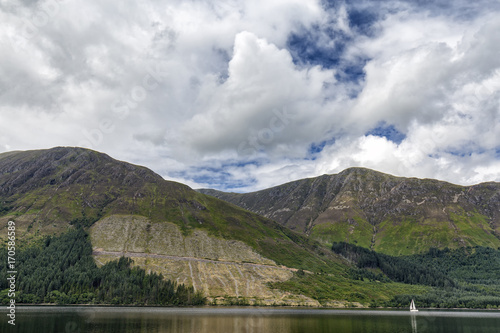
244, 95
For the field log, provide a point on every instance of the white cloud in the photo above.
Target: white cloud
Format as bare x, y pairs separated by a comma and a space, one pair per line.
264, 98
210, 89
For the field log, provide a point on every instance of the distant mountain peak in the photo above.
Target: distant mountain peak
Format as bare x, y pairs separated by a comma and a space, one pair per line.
22, 171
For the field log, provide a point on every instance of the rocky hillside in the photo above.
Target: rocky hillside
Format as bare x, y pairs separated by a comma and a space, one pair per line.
389, 214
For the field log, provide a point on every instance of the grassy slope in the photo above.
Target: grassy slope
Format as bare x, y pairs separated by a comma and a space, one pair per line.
327, 287
358, 232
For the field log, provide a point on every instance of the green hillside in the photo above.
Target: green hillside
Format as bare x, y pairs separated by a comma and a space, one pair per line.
392, 215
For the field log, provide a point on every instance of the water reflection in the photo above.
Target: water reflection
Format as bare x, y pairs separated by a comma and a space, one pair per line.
245, 320
413, 319
231, 321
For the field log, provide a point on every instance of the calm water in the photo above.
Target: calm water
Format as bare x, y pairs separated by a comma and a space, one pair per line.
249, 320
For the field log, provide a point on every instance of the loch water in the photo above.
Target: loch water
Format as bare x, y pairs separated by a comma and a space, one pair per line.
73, 319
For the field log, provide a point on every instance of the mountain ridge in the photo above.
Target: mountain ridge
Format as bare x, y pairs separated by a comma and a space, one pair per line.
358, 203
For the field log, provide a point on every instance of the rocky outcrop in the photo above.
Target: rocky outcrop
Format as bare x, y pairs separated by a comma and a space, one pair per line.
222, 269
123, 233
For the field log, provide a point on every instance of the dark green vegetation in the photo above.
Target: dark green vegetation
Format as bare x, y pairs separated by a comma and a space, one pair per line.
61, 270
468, 277
399, 269
471, 265
392, 215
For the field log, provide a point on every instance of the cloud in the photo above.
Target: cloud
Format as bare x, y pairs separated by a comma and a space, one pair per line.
244, 95
261, 102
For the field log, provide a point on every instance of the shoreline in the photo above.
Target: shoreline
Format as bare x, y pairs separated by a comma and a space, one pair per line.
208, 306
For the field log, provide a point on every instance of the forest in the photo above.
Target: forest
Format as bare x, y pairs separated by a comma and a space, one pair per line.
462, 278
61, 270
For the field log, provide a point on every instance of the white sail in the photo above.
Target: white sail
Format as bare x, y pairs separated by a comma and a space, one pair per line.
413, 308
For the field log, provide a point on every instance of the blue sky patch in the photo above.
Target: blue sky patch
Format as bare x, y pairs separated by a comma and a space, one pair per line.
218, 177
458, 152
465, 150
352, 72
363, 21
316, 148
362, 15
309, 46
387, 131
325, 47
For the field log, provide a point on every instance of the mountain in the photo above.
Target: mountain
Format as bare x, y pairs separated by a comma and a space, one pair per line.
93, 230
388, 214
222, 250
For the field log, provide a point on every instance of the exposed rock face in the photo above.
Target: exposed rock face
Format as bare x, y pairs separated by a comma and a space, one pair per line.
223, 281
218, 267
121, 233
392, 214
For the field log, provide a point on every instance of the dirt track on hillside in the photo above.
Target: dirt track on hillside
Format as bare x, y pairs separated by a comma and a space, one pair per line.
162, 256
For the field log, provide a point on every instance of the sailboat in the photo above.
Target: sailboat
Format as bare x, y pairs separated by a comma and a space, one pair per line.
413, 308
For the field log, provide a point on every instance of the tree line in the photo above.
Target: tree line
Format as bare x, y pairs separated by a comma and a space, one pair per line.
398, 269
466, 277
